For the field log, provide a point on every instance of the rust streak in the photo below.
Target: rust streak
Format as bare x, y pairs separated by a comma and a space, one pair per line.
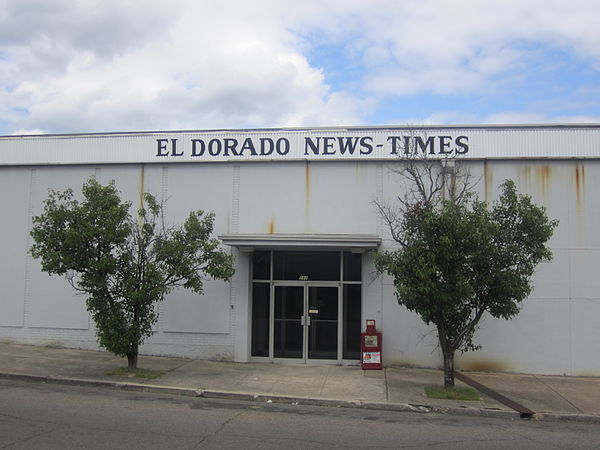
141, 184
307, 179
272, 226
579, 185
525, 175
580, 202
543, 175
489, 182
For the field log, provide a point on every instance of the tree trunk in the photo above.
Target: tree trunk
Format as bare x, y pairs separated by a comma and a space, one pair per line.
448, 354
448, 368
132, 359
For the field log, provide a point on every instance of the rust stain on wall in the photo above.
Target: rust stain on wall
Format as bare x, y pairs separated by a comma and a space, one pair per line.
488, 176
525, 179
272, 225
485, 365
141, 184
536, 180
543, 174
580, 186
579, 180
307, 180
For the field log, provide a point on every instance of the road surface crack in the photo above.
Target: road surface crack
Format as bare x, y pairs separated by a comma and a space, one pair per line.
29, 438
218, 430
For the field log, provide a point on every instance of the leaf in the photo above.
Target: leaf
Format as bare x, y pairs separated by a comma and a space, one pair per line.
125, 267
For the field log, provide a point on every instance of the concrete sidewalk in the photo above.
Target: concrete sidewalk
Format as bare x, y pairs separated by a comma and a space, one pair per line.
550, 397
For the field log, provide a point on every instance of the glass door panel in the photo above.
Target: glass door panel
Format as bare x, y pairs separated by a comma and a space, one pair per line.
288, 339
323, 324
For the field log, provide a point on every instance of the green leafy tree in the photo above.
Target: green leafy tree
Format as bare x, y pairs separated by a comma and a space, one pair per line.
124, 264
457, 259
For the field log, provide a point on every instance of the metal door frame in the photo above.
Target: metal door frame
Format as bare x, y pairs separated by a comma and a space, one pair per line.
306, 285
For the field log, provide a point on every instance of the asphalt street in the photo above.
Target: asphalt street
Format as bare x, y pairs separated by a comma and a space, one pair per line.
39, 415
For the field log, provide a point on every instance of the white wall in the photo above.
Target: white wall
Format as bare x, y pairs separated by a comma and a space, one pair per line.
558, 330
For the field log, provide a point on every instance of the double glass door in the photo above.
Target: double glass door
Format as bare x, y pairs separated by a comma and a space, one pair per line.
306, 322
306, 306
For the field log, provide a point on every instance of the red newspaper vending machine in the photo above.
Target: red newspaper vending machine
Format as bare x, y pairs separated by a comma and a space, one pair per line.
370, 347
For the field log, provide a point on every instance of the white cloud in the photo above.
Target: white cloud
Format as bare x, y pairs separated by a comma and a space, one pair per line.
92, 65
499, 118
457, 46
533, 117
204, 68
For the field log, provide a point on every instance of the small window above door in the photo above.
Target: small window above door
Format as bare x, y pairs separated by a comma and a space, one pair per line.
306, 266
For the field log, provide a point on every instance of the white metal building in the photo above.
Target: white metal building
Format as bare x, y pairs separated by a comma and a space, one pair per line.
296, 208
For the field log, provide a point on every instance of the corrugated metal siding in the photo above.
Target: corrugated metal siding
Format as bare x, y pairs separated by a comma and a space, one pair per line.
558, 330
554, 142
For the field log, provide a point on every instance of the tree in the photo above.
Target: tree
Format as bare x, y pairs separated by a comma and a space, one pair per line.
124, 265
456, 258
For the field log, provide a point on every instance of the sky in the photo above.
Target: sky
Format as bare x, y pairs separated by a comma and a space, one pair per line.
69, 66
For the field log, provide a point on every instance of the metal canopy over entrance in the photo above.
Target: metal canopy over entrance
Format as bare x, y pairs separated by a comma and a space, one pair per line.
352, 242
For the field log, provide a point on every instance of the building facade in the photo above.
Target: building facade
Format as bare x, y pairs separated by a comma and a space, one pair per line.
296, 208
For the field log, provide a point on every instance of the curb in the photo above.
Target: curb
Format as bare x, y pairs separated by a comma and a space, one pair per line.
306, 401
